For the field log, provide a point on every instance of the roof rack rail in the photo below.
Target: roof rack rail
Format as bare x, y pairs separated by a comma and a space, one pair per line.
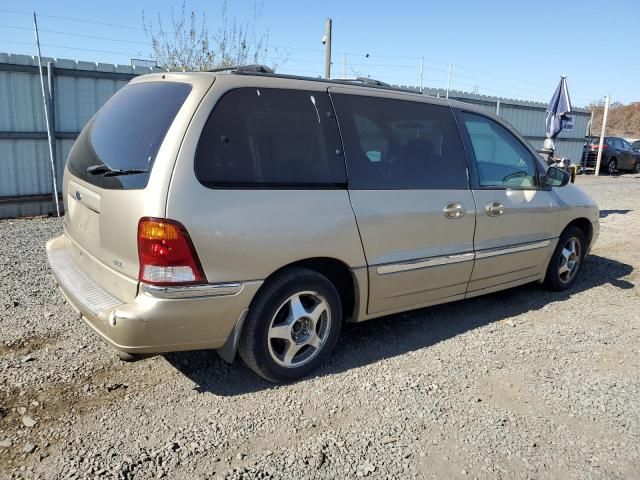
266, 71
368, 82
243, 69
372, 82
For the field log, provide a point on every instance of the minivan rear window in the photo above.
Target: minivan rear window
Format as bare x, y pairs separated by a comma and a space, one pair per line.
126, 133
271, 138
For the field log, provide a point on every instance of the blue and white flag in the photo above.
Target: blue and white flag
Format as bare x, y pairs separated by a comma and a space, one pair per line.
558, 110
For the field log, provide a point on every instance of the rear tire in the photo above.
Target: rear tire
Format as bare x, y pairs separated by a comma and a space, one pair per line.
566, 260
637, 168
612, 166
292, 326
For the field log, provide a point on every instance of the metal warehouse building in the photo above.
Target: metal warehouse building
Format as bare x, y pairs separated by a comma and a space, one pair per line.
81, 88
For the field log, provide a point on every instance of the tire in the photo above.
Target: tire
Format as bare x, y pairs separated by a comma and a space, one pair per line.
566, 260
637, 167
612, 166
292, 326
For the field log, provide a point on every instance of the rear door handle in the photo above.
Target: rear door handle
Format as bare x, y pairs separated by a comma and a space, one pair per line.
454, 210
494, 209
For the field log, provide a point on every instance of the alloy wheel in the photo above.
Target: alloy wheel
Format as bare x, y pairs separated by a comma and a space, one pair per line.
299, 329
570, 258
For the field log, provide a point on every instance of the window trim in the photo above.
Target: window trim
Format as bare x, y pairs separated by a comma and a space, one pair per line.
471, 158
273, 186
224, 185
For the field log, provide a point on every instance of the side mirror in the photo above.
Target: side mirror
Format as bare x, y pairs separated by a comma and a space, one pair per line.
556, 177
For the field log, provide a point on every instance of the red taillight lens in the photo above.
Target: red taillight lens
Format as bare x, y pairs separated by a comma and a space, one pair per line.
596, 147
166, 254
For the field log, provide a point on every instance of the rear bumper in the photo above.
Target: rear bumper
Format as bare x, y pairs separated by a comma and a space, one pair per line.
157, 320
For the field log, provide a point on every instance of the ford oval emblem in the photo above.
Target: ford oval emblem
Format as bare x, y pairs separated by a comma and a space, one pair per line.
78, 196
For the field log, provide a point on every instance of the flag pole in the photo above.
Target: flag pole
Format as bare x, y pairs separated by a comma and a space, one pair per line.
46, 117
604, 126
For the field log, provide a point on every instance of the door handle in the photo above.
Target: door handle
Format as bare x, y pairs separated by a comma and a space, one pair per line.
494, 209
454, 210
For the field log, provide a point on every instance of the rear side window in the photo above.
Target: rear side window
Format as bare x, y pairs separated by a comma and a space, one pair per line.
265, 137
127, 132
399, 144
502, 160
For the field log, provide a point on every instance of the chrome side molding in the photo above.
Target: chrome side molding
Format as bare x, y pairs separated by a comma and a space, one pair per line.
462, 257
492, 252
192, 291
424, 263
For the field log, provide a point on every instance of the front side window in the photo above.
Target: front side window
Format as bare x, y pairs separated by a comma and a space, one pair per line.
399, 144
266, 137
502, 160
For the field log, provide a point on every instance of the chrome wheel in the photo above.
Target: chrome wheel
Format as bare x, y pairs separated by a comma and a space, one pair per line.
570, 258
299, 329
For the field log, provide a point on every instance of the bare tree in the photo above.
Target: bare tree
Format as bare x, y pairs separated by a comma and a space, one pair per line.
187, 44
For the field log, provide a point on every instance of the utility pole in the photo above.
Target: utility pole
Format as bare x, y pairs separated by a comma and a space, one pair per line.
449, 81
46, 117
327, 46
421, 71
344, 66
604, 126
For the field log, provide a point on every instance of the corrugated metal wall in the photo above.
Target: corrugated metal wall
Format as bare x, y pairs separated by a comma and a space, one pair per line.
81, 88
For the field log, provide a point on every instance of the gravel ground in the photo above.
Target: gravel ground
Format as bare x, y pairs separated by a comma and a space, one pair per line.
521, 384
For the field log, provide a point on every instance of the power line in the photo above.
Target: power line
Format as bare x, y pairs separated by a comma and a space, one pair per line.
363, 65
73, 19
57, 32
71, 48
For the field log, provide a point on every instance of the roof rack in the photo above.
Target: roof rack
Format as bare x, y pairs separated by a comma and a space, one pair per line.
266, 71
244, 69
368, 82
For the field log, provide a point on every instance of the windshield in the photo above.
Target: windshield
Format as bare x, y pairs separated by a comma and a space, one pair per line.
126, 134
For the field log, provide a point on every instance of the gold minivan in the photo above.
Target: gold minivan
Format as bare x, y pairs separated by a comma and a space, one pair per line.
254, 212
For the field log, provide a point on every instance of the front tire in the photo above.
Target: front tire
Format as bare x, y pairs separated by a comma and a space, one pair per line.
566, 260
292, 326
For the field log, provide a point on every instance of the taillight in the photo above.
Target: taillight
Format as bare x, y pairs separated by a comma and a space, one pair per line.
596, 147
166, 254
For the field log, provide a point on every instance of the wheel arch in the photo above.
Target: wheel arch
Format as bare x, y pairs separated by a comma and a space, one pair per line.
339, 274
585, 225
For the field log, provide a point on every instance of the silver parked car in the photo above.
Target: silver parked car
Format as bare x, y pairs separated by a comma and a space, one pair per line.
254, 212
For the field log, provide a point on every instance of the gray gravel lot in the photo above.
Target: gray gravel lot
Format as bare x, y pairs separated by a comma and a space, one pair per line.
520, 384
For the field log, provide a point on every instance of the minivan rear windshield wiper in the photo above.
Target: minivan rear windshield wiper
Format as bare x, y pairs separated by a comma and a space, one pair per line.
113, 172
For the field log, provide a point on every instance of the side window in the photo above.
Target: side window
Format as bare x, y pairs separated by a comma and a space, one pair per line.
271, 137
399, 144
372, 141
501, 159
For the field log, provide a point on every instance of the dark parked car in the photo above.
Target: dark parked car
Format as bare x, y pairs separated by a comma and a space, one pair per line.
617, 154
